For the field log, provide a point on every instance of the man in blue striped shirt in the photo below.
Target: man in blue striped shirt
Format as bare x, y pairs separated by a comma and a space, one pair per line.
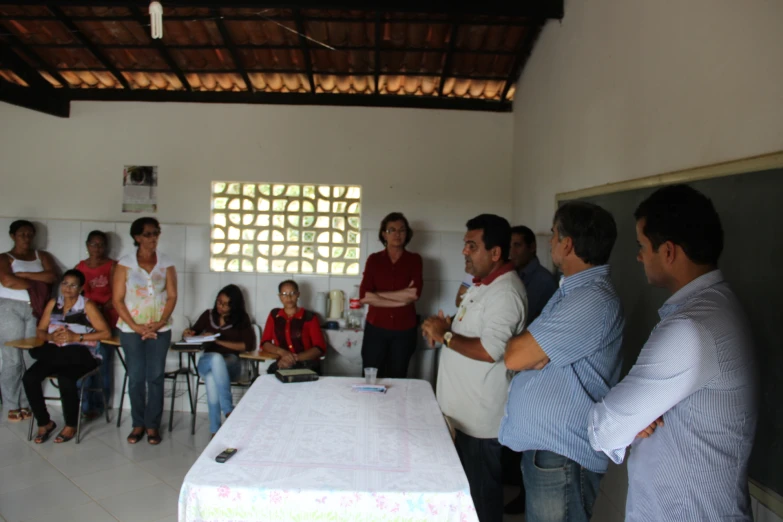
568, 359
696, 370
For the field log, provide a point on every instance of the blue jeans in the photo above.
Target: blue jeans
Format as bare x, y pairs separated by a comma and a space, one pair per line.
481, 459
557, 489
146, 367
92, 399
218, 371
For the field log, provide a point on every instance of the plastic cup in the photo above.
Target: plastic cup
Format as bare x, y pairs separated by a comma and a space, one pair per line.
370, 375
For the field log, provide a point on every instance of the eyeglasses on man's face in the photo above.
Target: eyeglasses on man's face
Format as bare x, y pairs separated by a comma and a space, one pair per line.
154, 233
288, 294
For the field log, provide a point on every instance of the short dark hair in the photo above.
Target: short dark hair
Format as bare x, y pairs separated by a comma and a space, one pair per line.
137, 227
238, 315
101, 234
496, 232
591, 228
527, 235
395, 216
75, 273
686, 217
287, 282
20, 223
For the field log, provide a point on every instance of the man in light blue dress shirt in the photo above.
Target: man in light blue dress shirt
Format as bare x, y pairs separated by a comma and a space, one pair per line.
688, 406
568, 359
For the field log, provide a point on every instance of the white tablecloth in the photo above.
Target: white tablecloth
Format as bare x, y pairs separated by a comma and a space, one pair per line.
319, 451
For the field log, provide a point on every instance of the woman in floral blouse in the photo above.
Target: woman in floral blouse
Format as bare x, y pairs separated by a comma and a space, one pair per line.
144, 294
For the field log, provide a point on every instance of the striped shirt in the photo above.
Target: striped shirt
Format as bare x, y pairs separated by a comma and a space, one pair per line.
696, 370
580, 330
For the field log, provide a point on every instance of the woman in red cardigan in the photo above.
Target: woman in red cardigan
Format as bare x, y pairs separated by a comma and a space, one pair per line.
293, 333
391, 285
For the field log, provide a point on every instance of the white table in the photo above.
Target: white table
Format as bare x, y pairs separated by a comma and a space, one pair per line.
319, 451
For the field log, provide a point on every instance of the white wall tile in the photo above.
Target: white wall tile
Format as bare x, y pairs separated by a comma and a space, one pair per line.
172, 243
266, 295
246, 283
63, 242
428, 246
309, 286
429, 302
5, 240
197, 293
197, 249
447, 293
764, 514
452, 260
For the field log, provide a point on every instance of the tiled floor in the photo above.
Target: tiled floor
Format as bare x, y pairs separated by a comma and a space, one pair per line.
102, 479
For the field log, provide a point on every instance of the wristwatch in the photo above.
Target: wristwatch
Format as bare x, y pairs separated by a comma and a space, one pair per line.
81, 337
447, 338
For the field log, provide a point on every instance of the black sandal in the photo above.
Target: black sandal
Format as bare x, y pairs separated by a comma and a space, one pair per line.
134, 437
43, 437
153, 437
60, 438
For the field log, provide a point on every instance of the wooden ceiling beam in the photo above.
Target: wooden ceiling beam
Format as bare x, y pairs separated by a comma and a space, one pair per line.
94, 49
138, 17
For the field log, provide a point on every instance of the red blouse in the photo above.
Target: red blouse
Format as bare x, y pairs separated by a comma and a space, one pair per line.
97, 287
381, 275
298, 333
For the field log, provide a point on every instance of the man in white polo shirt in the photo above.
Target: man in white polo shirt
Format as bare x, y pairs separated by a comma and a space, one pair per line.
472, 383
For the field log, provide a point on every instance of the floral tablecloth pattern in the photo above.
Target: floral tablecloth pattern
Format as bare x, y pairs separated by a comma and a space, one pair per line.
319, 451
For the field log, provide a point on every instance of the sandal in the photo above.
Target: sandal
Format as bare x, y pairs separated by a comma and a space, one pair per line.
43, 437
60, 438
15, 415
26, 413
135, 436
153, 437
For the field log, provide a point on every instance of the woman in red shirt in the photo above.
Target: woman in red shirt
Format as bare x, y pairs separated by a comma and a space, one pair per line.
391, 285
98, 270
293, 333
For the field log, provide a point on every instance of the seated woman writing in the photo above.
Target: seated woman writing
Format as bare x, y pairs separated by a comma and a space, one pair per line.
220, 363
72, 326
293, 333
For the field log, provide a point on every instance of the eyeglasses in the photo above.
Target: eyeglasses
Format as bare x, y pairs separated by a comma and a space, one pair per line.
288, 294
73, 286
148, 235
96, 244
391, 231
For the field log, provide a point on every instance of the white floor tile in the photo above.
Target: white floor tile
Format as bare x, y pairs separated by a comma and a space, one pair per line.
84, 461
27, 473
172, 466
6, 435
143, 505
15, 452
91, 512
172, 518
115, 481
59, 494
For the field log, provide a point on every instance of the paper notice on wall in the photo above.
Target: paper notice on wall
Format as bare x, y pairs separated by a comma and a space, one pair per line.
139, 189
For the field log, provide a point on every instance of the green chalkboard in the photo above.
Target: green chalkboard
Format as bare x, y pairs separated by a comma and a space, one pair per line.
750, 208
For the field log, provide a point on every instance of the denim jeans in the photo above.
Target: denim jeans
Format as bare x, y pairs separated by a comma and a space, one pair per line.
482, 462
218, 371
146, 367
557, 489
92, 399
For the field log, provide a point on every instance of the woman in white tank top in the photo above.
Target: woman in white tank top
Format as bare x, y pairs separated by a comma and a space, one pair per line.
18, 268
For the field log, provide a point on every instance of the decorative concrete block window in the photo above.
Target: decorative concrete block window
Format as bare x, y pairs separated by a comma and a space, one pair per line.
294, 228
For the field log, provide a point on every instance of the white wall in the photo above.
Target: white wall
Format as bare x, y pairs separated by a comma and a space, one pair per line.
438, 167
621, 90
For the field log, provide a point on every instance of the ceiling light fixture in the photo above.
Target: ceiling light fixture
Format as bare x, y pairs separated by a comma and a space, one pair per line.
156, 20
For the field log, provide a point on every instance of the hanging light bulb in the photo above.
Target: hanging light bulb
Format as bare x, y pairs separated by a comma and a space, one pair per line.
156, 19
